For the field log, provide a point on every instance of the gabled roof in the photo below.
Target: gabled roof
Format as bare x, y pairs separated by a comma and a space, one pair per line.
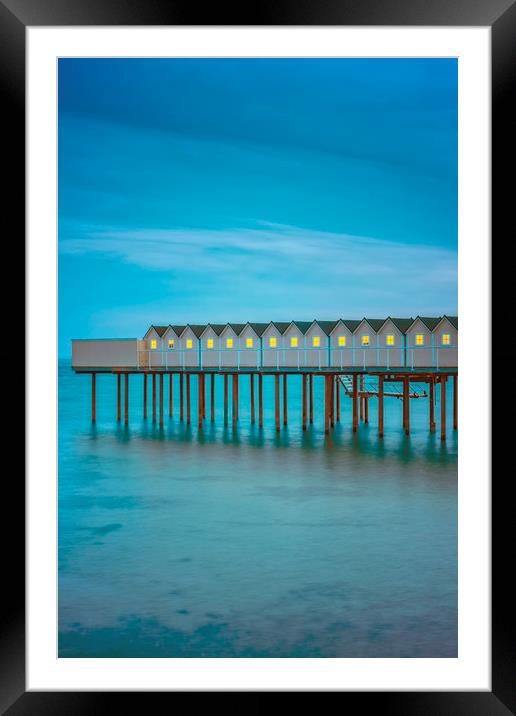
351, 323
302, 325
217, 328
430, 323
281, 326
258, 328
197, 329
237, 327
453, 320
327, 326
375, 323
160, 330
177, 329
401, 324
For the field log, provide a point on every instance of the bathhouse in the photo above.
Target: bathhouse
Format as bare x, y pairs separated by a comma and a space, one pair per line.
391, 342
446, 339
342, 347
420, 342
367, 343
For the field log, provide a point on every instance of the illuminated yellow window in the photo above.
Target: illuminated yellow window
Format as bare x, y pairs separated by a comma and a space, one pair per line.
342, 340
420, 339
365, 340
170, 342
189, 343
229, 342
272, 342
446, 339
317, 341
390, 340
209, 343
154, 344
293, 341
248, 342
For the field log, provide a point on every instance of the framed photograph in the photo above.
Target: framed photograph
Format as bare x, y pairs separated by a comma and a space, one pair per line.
248, 245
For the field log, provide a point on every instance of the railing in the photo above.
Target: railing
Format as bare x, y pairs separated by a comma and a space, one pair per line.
300, 358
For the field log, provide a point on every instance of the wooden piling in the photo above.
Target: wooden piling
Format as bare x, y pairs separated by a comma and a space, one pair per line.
199, 401
225, 398
161, 380
455, 402
181, 397
366, 410
251, 389
443, 407
154, 397
93, 397
260, 400
234, 395
361, 398
277, 402
118, 397
406, 406
331, 381
355, 402
285, 416
203, 389
212, 398
170, 395
326, 404
431, 404
236, 383
304, 402
380, 406
337, 396
187, 377
145, 395
311, 379
126, 399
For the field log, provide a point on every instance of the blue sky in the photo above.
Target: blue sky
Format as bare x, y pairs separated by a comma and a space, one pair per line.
214, 190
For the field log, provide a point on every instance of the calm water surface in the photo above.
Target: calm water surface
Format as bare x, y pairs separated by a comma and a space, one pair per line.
249, 543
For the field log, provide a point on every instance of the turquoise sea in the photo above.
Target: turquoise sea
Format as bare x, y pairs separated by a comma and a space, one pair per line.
251, 543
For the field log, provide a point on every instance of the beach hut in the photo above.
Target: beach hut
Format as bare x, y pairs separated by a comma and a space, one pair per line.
210, 355
391, 342
366, 343
342, 343
420, 342
273, 344
151, 354
191, 345
446, 339
250, 345
294, 344
172, 346
229, 344
317, 344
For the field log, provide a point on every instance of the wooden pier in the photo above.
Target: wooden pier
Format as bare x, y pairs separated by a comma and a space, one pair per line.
357, 386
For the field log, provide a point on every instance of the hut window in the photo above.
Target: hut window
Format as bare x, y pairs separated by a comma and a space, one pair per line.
154, 344
446, 339
170, 342
249, 342
390, 340
272, 341
365, 340
420, 339
229, 342
189, 343
209, 342
293, 341
317, 341
342, 340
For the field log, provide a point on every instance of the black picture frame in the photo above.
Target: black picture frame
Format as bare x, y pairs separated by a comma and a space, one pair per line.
500, 15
